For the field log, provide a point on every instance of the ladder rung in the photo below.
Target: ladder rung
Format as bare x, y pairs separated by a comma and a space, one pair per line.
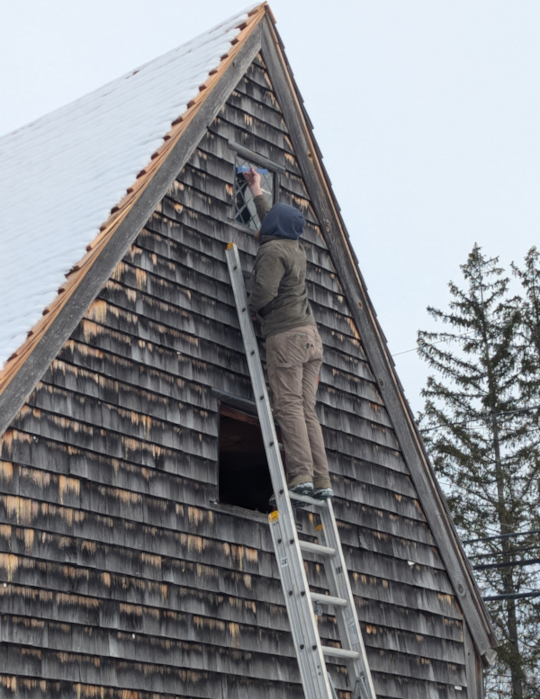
326, 599
317, 548
306, 498
340, 653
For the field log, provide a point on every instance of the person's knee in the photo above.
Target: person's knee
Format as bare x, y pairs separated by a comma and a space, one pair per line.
309, 403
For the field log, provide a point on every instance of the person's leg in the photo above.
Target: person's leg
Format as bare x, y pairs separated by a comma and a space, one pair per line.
321, 476
284, 354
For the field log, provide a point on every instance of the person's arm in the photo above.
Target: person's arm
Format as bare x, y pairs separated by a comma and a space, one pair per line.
262, 205
268, 274
253, 179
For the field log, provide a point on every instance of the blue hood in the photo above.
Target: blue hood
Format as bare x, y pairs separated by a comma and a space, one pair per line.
283, 220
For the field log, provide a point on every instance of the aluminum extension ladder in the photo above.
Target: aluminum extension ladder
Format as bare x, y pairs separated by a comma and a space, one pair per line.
299, 600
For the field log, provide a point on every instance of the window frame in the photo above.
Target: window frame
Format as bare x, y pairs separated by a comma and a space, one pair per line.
233, 406
256, 159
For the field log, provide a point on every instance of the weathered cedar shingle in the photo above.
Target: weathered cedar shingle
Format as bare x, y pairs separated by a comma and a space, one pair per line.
109, 473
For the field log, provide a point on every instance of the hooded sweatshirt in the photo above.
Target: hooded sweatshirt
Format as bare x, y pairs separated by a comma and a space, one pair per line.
283, 221
279, 296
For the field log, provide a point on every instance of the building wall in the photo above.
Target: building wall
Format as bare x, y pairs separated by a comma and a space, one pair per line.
119, 572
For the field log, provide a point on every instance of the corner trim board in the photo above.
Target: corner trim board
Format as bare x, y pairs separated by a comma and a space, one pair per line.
473, 668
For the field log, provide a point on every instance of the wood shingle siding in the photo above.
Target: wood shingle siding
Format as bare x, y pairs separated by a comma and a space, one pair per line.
123, 577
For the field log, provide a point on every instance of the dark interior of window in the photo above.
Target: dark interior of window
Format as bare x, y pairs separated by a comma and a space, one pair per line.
244, 206
244, 479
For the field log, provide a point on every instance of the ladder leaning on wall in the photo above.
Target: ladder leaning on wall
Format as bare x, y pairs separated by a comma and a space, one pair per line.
299, 599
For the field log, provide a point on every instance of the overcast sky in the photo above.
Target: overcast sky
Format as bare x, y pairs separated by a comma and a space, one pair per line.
427, 113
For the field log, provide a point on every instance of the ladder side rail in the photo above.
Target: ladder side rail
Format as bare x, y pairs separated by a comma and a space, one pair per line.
346, 617
312, 664
260, 392
266, 420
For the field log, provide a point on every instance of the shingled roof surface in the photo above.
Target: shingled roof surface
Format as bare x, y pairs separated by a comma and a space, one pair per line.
64, 174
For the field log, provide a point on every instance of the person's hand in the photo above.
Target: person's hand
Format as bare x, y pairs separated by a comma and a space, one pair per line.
253, 180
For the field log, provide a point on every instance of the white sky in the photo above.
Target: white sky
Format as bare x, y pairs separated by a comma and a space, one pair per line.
427, 113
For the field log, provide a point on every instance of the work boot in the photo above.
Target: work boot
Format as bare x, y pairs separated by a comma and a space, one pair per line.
300, 489
323, 493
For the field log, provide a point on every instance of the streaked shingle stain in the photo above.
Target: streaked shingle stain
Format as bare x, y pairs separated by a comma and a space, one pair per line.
124, 530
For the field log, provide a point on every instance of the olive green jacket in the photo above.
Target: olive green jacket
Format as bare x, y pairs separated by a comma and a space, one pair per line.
279, 296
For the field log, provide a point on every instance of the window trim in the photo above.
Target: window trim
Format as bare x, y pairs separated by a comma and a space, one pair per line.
256, 159
243, 410
244, 405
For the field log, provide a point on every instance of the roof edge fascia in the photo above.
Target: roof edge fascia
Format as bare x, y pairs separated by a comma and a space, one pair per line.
334, 229
26, 367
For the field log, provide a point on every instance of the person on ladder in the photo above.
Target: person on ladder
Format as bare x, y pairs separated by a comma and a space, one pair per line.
294, 350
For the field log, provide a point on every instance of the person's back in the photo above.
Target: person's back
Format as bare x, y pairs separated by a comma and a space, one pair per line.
293, 345
279, 293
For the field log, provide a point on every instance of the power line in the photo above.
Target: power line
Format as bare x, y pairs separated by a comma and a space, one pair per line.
437, 342
517, 595
513, 552
481, 417
509, 564
501, 536
484, 495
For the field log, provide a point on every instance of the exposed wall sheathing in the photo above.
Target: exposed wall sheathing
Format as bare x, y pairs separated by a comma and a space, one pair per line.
120, 573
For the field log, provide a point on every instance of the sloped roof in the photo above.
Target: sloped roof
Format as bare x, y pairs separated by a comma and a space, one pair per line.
63, 175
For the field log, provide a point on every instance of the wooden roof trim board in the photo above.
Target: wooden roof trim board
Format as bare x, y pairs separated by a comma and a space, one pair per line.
344, 258
46, 338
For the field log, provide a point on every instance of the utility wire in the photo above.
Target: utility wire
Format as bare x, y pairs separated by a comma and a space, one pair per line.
437, 342
501, 536
510, 564
512, 552
481, 417
517, 595
484, 495
414, 349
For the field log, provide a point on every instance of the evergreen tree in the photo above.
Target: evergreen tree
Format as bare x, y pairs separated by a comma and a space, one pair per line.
529, 277
479, 437
529, 305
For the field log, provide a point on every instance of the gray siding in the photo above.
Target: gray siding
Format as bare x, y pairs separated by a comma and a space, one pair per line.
120, 572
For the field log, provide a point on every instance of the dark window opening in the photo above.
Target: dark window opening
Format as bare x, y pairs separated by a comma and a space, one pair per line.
245, 211
244, 479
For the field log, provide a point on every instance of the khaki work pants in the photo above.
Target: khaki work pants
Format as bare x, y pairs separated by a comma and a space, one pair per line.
293, 360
